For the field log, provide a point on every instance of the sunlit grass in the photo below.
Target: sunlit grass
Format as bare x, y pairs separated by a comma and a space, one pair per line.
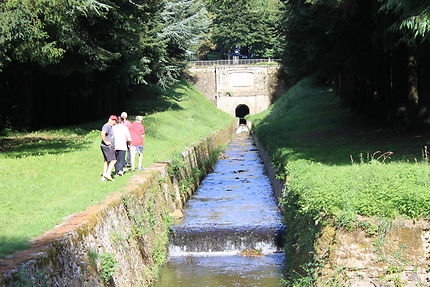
339, 164
48, 175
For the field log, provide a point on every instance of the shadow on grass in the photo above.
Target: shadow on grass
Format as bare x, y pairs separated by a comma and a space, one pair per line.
9, 245
149, 99
18, 147
146, 100
336, 139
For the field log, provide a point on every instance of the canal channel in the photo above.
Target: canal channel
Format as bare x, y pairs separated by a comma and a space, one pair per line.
231, 233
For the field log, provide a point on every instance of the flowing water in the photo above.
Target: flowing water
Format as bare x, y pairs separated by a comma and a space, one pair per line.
231, 234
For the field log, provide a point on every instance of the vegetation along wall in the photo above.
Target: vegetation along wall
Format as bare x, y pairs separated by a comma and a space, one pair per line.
123, 241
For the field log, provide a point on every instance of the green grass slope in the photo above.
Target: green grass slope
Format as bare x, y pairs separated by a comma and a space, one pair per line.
47, 175
339, 165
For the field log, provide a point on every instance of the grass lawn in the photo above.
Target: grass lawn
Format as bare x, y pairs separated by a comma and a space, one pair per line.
340, 165
50, 174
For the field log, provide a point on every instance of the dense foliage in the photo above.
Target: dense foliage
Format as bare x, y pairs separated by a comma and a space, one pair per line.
376, 52
61, 61
252, 27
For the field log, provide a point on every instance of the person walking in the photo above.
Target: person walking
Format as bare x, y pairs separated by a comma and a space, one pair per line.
122, 141
127, 123
108, 147
137, 132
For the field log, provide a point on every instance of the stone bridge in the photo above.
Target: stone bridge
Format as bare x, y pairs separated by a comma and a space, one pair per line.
238, 89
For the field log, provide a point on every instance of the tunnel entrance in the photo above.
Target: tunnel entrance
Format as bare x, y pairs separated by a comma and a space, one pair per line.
241, 112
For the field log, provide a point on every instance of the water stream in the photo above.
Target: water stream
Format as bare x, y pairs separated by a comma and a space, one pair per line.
231, 234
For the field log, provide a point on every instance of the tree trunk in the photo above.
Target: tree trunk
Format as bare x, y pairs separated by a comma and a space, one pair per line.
383, 86
399, 85
413, 97
27, 97
348, 89
423, 82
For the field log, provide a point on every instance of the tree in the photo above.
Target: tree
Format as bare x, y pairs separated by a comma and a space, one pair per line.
185, 26
251, 26
371, 49
82, 56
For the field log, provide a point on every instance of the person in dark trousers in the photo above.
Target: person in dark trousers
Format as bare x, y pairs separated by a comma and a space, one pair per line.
122, 142
108, 148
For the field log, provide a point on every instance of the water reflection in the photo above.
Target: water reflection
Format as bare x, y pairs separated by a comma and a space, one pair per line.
226, 271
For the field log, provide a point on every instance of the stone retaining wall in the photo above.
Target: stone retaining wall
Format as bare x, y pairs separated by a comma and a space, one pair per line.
121, 242
277, 185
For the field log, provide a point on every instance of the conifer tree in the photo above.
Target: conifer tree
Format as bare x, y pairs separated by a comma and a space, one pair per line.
251, 26
185, 27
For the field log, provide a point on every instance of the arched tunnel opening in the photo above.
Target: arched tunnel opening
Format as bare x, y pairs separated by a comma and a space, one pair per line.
241, 112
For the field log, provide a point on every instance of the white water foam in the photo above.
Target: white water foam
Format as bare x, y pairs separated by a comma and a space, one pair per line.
229, 249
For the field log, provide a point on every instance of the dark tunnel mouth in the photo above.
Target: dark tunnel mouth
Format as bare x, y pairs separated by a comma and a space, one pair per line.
242, 111
242, 121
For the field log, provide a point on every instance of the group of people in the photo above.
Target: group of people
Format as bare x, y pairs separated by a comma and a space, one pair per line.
121, 137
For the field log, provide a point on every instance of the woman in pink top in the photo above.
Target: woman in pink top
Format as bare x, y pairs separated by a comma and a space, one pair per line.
137, 132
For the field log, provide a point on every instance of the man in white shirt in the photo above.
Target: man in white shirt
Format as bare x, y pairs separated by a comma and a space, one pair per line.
127, 123
122, 142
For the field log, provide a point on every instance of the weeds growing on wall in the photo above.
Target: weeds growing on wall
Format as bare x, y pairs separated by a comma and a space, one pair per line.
149, 222
25, 279
108, 267
186, 181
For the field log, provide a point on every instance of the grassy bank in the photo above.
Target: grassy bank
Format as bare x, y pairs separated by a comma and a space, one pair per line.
339, 169
341, 165
47, 175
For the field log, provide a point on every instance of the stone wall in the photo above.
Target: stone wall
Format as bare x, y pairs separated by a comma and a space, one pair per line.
361, 257
121, 242
278, 186
204, 79
230, 86
243, 80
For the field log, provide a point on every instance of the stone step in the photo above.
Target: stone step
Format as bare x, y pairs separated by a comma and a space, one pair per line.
266, 239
